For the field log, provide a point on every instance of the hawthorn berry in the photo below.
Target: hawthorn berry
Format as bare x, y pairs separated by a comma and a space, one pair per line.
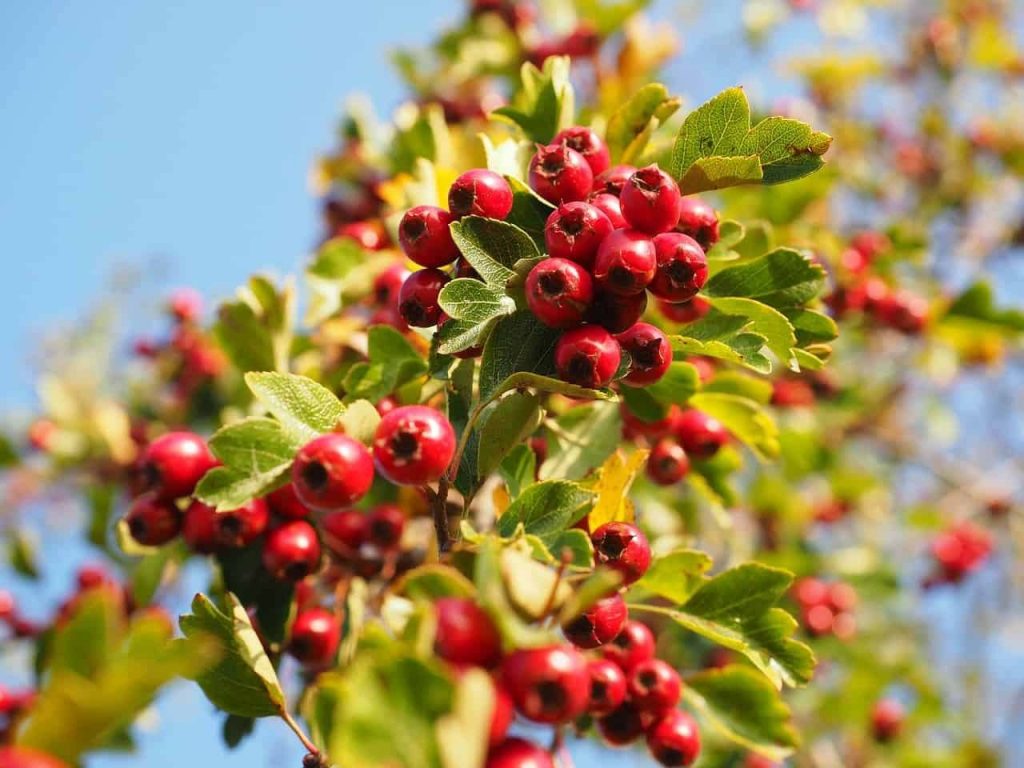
185, 305
685, 311
841, 597
174, 463
588, 356
622, 726
607, 687
425, 237
413, 445
242, 526
316, 633
291, 551
480, 192
418, 298
518, 753
465, 633
575, 230
625, 262
591, 146
667, 463
560, 174
385, 525
674, 740
368, 234
809, 592
285, 502
617, 313
682, 267
654, 686
558, 292
24, 757
698, 220
622, 547
650, 354
549, 684
700, 435
152, 521
653, 430
610, 206
887, 718
199, 528
501, 716
346, 530
599, 624
635, 643
332, 471
388, 284
651, 200
614, 179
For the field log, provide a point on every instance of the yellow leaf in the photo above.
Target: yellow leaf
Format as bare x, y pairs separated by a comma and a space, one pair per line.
500, 499
612, 488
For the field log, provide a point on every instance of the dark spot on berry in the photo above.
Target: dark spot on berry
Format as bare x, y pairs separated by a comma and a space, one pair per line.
296, 571
315, 476
647, 679
414, 312
229, 525
462, 199
613, 545
581, 368
404, 444
552, 283
137, 528
414, 228
552, 696
621, 276
680, 273
572, 224
150, 475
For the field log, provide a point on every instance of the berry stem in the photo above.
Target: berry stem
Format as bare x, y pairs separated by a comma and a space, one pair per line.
439, 510
311, 748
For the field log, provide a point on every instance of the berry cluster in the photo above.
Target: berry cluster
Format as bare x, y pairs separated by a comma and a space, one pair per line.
826, 608
958, 551
676, 439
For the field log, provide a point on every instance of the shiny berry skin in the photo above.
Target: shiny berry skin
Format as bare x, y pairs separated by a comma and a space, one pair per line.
417, 301
292, 551
886, 720
685, 311
588, 356
331, 472
682, 267
599, 624
152, 522
617, 313
607, 687
559, 292
654, 686
518, 753
174, 463
586, 141
241, 527
698, 220
480, 193
385, 526
316, 633
24, 757
413, 445
575, 230
199, 528
560, 175
465, 633
388, 284
346, 530
367, 233
425, 237
285, 502
610, 206
624, 548
622, 726
649, 351
625, 262
674, 740
548, 685
651, 200
614, 179
701, 436
501, 716
667, 463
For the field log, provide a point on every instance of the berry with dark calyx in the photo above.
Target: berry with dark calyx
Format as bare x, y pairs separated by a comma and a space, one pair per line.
285, 502
614, 179
622, 547
199, 528
240, 527
386, 523
174, 463
599, 624
575, 230
388, 284
316, 633
607, 687
292, 551
700, 435
345, 531
413, 445
518, 753
417, 300
625, 262
887, 718
587, 356
549, 684
586, 141
617, 313
152, 521
622, 726
674, 740
682, 267
465, 633
651, 200
649, 351
480, 192
667, 463
685, 311
698, 220
559, 292
610, 206
634, 644
654, 686
560, 174
425, 237
331, 472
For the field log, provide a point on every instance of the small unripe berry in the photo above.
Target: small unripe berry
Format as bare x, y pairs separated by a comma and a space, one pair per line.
649, 351
559, 292
701, 435
698, 220
418, 299
292, 551
285, 502
560, 175
480, 192
465, 633
425, 237
682, 267
385, 526
614, 179
599, 624
548, 685
624, 548
654, 686
589, 145
152, 522
651, 200
625, 262
332, 471
616, 313
674, 740
518, 753
607, 687
174, 463
575, 230
610, 206
413, 445
587, 356
315, 636
667, 463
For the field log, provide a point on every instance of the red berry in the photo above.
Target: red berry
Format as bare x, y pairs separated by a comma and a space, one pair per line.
610, 206
624, 548
174, 463
153, 522
518, 753
8, 606
649, 352
651, 200
368, 234
414, 445
465, 633
886, 720
674, 740
818, 620
91, 576
667, 464
599, 624
417, 301
809, 592
345, 531
386, 524
285, 502
332, 471
614, 179
686, 311
700, 435
587, 356
587, 143
682, 267
316, 633
24, 757
575, 230
558, 292
185, 304
200, 528
617, 313
654, 686
625, 262
548, 685
292, 551
841, 597
560, 174
425, 236
698, 220
241, 527
870, 244
480, 193
607, 687
388, 284
633, 425
501, 716
622, 726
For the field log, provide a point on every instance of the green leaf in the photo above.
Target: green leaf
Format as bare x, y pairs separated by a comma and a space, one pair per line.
788, 149
21, 553
458, 335
393, 363
360, 420
236, 729
529, 212
511, 422
782, 278
676, 575
630, 127
676, 387
518, 469
744, 418
977, 303
811, 327
256, 454
765, 321
492, 247
708, 173
150, 573
737, 383
255, 330
305, 408
8, 453
471, 301
723, 336
545, 104
243, 575
341, 270
546, 509
585, 436
432, 581
577, 543
463, 735
518, 342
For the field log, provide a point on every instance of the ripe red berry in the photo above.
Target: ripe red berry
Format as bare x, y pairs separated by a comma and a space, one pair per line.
622, 726
841, 597
285, 502
701, 436
501, 716
682, 267
633, 426
174, 463
870, 244
425, 237
200, 528
610, 206
560, 174
388, 284
654, 686
292, 551
587, 356
152, 522
607, 687
241, 527
385, 526
617, 313
685, 311
625, 262
817, 620
548, 685
809, 592
586, 141
480, 192
185, 304
518, 753
575, 230
674, 740
599, 624
24, 757
465, 633
667, 463
651, 200
345, 531
649, 352
623, 547
413, 445
417, 301
614, 179
369, 234
886, 720
316, 633
698, 220
559, 292
332, 471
